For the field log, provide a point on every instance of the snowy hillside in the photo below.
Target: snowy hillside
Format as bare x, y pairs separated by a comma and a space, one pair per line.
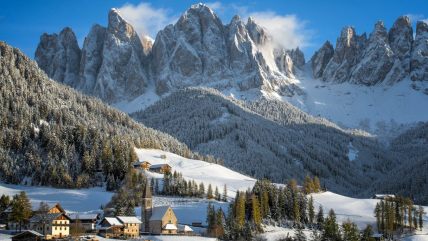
378, 109
197, 170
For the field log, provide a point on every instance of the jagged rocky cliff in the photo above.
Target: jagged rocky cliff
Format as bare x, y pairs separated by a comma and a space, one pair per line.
115, 64
383, 57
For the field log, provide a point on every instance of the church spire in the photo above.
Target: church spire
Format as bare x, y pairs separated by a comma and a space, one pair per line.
147, 191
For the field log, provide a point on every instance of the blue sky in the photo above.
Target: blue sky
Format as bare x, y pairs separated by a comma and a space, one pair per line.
304, 23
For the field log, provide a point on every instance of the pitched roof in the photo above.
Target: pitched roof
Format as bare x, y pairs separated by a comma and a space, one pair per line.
83, 216
113, 221
29, 231
48, 217
184, 228
128, 219
158, 213
156, 166
169, 226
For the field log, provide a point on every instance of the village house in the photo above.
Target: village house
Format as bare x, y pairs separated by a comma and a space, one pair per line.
11, 225
145, 165
161, 168
131, 226
88, 221
110, 227
120, 226
51, 225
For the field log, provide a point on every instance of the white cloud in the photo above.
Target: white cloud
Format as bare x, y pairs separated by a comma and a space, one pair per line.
216, 6
146, 19
287, 31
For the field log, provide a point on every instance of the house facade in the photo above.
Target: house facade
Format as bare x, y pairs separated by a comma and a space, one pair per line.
160, 168
120, 226
51, 225
87, 221
145, 165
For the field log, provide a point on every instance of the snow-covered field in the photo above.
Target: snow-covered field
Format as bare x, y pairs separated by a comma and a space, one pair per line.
72, 200
359, 211
197, 170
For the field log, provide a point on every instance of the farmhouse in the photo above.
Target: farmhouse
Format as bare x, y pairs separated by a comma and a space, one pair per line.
110, 227
157, 220
160, 168
120, 226
145, 165
88, 221
51, 225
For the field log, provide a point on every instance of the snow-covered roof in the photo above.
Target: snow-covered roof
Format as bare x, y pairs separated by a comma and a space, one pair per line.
158, 213
113, 221
29, 231
83, 216
128, 219
170, 226
384, 196
156, 166
184, 228
377, 235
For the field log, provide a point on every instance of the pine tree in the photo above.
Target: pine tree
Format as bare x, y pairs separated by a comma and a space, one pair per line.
367, 234
210, 192
201, 190
331, 228
320, 217
308, 185
219, 223
350, 231
240, 210
21, 209
211, 219
311, 210
255, 211
265, 204
377, 213
4, 202
317, 184
217, 194
224, 197
421, 216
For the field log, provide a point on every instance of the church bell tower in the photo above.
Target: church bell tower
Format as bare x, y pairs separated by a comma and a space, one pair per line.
146, 208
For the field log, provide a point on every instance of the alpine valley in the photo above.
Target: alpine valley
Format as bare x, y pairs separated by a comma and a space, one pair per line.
226, 103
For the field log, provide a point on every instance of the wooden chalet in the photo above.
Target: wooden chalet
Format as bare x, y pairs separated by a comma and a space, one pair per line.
144, 165
88, 221
120, 227
160, 168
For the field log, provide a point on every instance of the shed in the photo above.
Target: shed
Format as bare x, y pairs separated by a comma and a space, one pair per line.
28, 235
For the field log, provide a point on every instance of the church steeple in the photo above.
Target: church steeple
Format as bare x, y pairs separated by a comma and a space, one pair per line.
146, 208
